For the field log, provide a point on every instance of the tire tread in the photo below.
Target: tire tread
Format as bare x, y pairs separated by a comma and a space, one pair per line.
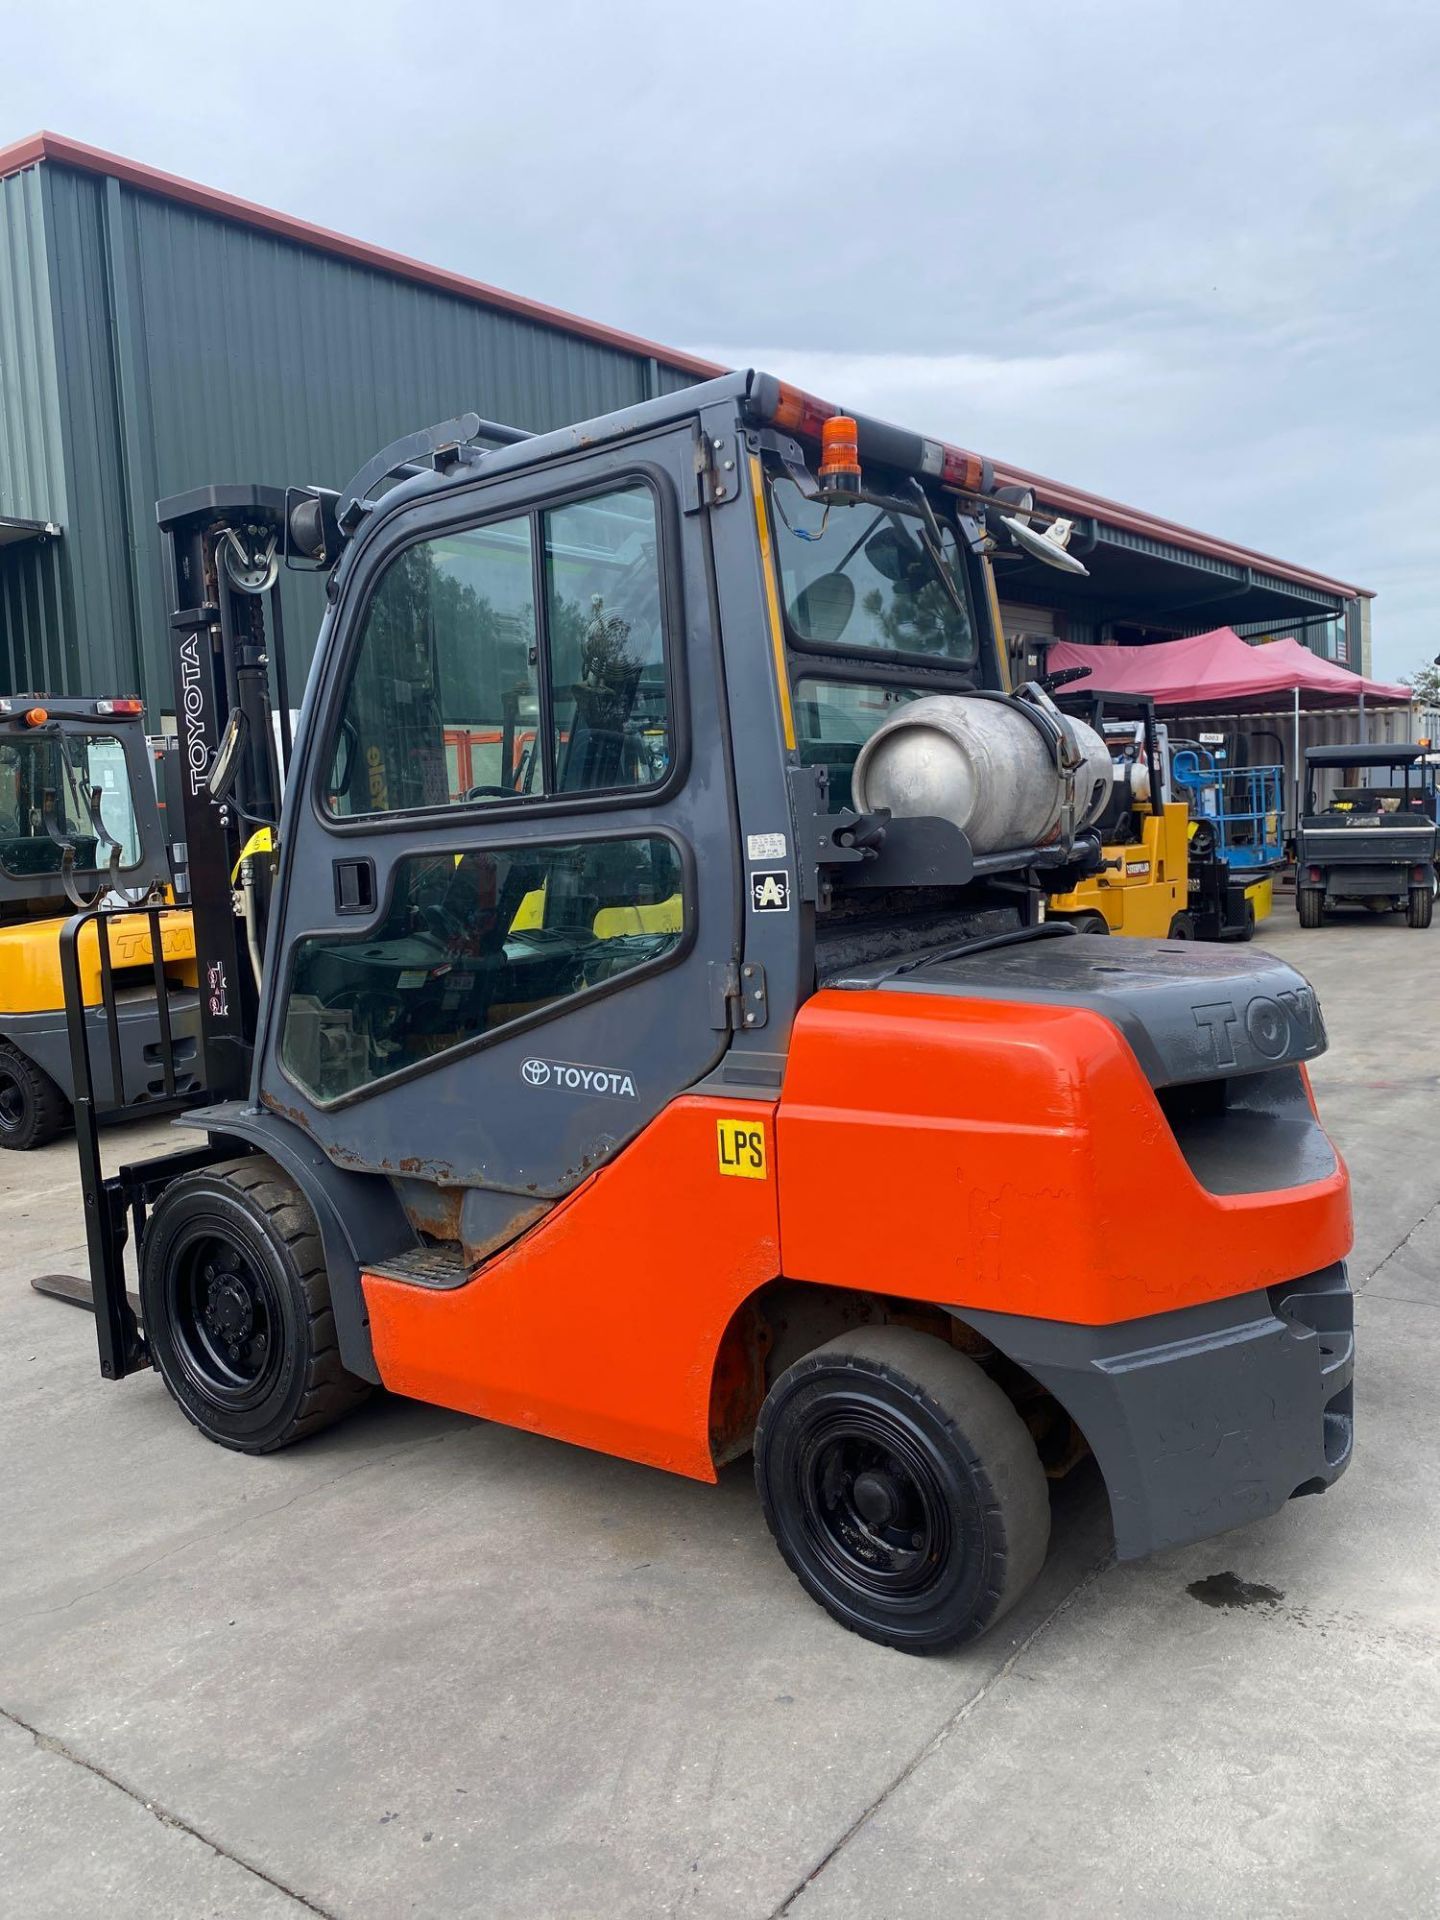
330, 1391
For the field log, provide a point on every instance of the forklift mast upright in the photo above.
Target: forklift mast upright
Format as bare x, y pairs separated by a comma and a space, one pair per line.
224, 545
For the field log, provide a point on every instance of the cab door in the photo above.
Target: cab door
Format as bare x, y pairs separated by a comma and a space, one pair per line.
509, 883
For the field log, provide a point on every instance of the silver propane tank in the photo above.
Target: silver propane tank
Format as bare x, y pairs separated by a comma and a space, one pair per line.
984, 765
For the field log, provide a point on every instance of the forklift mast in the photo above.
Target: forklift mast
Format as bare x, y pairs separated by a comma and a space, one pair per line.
226, 637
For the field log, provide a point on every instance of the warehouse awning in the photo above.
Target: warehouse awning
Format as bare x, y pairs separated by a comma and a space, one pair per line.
1209, 671
13, 531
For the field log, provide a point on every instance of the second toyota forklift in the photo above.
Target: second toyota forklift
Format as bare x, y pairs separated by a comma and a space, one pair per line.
707, 1080
79, 822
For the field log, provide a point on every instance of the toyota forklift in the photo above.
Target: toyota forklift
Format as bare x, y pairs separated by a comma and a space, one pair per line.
79, 821
750, 937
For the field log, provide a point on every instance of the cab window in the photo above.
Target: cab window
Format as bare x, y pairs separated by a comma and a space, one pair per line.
834, 719
52, 773
513, 660
860, 578
473, 942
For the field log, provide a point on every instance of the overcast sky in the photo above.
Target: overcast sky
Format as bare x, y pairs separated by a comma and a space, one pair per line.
1183, 252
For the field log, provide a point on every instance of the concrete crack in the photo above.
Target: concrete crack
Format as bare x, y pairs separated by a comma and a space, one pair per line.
48, 1743
1399, 1246
961, 1714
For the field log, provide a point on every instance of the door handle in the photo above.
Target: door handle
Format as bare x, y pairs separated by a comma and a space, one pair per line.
354, 886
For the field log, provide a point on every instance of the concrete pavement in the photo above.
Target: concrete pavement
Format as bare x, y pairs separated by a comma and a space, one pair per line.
422, 1665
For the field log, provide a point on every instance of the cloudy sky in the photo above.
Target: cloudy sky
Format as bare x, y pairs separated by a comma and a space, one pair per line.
1184, 252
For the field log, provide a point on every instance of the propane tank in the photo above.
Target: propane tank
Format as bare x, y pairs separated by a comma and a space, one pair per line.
982, 764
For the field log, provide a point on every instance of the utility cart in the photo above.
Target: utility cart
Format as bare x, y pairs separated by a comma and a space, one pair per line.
1370, 840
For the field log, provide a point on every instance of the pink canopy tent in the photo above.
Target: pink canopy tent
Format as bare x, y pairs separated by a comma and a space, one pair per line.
1218, 672
1219, 669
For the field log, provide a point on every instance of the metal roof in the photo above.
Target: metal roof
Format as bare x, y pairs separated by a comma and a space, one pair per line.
1398, 753
13, 531
1070, 500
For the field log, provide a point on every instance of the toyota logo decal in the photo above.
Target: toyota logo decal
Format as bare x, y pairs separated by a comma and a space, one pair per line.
536, 1072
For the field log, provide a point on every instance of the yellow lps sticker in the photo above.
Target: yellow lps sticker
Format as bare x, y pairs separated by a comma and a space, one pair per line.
742, 1148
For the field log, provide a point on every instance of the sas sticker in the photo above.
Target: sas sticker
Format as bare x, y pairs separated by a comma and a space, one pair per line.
770, 892
741, 1145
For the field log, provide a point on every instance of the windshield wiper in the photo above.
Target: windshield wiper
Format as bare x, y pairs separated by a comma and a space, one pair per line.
933, 542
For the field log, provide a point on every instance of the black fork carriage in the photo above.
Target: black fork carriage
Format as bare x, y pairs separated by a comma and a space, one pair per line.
115, 1207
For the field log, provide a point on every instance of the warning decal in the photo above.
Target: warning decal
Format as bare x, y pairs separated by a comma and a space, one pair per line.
741, 1146
770, 892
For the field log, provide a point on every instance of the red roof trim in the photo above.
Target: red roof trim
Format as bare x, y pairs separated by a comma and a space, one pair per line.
170, 186
225, 206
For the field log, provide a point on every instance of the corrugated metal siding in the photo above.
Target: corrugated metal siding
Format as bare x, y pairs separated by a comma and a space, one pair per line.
1257, 739
97, 648
32, 619
254, 358
173, 349
31, 475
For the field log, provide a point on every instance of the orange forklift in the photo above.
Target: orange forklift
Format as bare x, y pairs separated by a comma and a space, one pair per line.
718, 1086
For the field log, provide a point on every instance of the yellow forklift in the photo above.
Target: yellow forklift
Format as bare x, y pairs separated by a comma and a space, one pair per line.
80, 824
1162, 874
1142, 885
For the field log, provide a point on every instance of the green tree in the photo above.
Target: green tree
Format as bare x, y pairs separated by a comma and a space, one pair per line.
1424, 683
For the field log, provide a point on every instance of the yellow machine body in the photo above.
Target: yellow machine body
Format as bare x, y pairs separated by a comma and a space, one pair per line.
30, 959
1147, 885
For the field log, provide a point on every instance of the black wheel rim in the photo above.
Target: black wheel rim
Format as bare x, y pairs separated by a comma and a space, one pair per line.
12, 1102
873, 1505
225, 1319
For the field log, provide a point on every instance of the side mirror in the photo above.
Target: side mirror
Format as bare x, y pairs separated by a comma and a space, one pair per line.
1048, 546
312, 535
223, 768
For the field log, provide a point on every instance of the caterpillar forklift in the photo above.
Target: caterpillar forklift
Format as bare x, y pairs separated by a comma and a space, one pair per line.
751, 941
1162, 873
78, 821
1142, 885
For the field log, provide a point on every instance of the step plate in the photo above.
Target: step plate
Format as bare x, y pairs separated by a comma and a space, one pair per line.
438, 1267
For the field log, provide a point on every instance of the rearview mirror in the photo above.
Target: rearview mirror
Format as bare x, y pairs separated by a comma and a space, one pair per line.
226, 764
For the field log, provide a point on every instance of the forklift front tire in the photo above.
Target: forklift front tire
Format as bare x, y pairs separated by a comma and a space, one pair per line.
32, 1108
236, 1307
1182, 927
902, 1488
1310, 905
1420, 907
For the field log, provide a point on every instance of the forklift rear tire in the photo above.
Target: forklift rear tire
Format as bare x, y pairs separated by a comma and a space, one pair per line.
1084, 922
1420, 908
236, 1306
1310, 905
32, 1108
1182, 927
902, 1488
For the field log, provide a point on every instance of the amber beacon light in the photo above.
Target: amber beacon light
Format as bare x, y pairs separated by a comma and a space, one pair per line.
840, 454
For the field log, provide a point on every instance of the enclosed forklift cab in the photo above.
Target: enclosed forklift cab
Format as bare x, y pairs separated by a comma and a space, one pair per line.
641, 1089
79, 821
1372, 841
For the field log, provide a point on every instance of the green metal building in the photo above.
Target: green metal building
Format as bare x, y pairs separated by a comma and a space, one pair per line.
157, 335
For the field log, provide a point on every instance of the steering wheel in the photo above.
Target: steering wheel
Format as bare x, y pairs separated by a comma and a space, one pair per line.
490, 793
